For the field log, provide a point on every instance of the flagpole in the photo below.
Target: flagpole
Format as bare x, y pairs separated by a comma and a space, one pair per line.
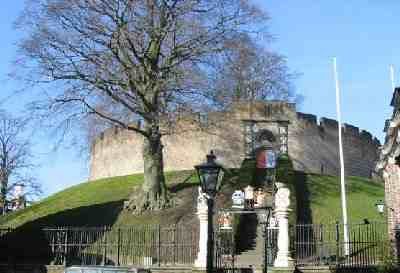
392, 77
342, 181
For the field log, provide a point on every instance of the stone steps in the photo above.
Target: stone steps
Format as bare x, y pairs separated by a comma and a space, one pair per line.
254, 255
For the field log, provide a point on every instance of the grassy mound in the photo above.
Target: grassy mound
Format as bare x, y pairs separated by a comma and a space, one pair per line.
100, 202
318, 198
97, 203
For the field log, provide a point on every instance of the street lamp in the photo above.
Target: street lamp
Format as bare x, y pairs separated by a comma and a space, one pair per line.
208, 173
380, 206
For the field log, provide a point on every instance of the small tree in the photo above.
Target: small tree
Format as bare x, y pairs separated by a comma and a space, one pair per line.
126, 61
15, 159
247, 71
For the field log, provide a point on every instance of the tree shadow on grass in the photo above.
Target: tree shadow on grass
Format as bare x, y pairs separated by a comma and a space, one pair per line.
246, 172
304, 230
303, 206
187, 179
29, 243
179, 187
245, 237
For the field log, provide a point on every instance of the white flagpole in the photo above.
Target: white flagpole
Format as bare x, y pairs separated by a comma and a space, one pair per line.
392, 77
342, 181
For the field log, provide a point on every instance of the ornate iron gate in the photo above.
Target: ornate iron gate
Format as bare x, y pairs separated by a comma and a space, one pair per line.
224, 250
227, 253
271, 247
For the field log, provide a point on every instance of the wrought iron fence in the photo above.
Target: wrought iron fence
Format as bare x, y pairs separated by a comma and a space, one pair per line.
225, 251
156, 245
270, 247
4, 231
314, 244
150, 245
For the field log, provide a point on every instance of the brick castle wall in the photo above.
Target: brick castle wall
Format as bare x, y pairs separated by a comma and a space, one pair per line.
312, 145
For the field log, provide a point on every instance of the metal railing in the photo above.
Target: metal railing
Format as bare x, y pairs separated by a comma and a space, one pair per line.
270, 245
156, 245
323, 244
4, 231
225, 251
148, 245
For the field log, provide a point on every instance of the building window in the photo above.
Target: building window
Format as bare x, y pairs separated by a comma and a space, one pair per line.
397, 160
268, 110
283, 137
203, 119
249, 131
265, 136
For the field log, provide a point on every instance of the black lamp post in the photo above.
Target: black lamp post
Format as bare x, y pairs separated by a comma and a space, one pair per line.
208, 173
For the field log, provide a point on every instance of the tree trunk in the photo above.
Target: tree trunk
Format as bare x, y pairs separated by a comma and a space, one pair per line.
3, 194
153, 194
154, 186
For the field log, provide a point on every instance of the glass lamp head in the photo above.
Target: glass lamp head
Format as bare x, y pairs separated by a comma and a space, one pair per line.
208, 174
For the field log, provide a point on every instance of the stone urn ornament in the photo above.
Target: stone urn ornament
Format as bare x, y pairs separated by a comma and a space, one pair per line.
238, 199
249, 197
259, 197
225, 221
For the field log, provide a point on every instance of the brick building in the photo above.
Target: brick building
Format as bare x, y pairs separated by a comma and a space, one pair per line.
389, 165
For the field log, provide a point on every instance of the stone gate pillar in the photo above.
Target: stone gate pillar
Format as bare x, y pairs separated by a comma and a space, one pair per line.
202, 213
282, 203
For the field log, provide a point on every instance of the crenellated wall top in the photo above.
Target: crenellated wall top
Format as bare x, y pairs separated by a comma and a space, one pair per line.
328, 125
261, 111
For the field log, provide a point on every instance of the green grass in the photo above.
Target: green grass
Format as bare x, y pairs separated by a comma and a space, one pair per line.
100, 202
94, 203
320, 198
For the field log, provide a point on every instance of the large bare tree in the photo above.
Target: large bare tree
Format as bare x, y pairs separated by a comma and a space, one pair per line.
15, 159
127, 61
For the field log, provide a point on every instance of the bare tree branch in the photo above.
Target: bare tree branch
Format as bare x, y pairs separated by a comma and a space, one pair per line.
129, 61
15, 159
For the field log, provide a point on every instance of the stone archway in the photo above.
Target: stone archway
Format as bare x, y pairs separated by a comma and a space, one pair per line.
266, 146
264, 142
260, 134
266, 135
264, 139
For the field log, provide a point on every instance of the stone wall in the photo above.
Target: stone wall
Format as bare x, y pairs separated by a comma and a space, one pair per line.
312, 146
27, 268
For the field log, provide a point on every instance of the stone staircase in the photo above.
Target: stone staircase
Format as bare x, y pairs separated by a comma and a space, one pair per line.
253, 255
250, 242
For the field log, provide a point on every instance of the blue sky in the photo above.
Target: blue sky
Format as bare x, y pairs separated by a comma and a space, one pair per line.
56, 170
363, 35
